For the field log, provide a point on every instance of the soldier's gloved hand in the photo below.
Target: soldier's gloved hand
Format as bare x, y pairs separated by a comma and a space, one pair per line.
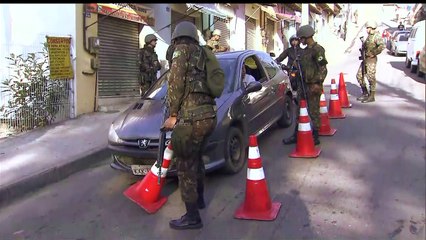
169, 124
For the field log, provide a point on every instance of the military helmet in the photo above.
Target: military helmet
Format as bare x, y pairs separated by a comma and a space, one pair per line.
185, 28
371, 24
216, 32
294, 37
149, 38
305, 31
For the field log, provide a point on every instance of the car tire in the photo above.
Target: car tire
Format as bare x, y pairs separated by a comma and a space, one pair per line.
288, 113
235, 151
407, 63
420, 74
413, 68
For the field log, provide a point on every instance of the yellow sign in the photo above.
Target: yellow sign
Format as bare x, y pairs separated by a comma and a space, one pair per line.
59, 57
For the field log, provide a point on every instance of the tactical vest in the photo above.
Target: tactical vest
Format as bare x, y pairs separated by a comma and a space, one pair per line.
197, 63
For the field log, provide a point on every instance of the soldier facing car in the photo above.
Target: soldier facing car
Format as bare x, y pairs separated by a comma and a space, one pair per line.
192, 117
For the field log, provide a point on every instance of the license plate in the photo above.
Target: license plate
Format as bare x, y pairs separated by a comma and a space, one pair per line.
140, 170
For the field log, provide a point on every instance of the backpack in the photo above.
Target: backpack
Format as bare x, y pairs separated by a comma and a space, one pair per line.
215, 74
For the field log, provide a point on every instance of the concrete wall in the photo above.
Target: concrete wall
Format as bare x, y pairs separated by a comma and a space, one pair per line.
23, 28
238, 29
85, 84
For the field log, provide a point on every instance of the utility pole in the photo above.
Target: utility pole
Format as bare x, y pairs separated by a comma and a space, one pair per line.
305, 13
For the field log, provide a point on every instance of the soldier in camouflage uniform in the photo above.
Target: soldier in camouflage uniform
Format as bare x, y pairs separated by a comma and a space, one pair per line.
373, 46
169, 53
192, 117
213, 42
314, 70
148, 63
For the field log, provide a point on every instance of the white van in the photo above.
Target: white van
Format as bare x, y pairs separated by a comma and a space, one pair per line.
416, 41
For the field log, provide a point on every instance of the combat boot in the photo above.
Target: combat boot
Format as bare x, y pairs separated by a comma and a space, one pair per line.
370, 98
293, 138
315, 134
190, 220
364, 95
200, 190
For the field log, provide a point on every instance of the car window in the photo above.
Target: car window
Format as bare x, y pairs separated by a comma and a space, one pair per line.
269, 64
159, 89
229, 66
403, 37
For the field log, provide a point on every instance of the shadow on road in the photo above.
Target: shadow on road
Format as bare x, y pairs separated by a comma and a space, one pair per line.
407, 71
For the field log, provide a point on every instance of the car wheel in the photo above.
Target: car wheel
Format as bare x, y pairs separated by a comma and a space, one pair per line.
419, 73
288, 114
413, 68
407, 63
235, 151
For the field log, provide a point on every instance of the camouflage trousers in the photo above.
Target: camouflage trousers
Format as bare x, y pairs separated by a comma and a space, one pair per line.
313, 105
191, 170
144, 83
370, 73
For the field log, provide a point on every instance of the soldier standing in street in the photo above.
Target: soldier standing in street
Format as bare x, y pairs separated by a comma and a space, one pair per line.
192, 117
290, 52
314, 71
148, 63
372, 46
213, 42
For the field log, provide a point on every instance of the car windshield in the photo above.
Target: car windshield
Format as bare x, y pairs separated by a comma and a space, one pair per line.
159, 89
403, 37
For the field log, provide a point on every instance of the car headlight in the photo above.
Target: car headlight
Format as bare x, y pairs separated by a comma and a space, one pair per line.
112, 135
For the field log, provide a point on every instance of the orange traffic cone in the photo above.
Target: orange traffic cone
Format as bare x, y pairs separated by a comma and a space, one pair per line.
257, 204
335, 108
343, 95
146, 193
305, 147
325, 129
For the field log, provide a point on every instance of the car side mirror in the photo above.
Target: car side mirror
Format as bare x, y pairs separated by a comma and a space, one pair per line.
253, 87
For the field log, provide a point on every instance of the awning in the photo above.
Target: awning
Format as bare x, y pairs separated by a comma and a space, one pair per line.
288, 17
327, 7
212, 9
294, 6
131, 12
314, 9
337, 8
270, 11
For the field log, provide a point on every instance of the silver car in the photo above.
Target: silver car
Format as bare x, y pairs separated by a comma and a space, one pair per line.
134, 136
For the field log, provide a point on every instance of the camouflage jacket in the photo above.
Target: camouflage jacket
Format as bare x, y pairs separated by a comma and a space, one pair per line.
148, 63
314, 64
188, 66
215, 47
373, 45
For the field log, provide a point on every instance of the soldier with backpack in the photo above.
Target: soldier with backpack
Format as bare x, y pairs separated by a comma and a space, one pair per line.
192, 116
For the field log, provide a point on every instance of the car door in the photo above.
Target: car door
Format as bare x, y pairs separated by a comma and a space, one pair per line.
256, 103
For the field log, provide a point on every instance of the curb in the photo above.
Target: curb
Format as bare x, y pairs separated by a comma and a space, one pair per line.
17, 190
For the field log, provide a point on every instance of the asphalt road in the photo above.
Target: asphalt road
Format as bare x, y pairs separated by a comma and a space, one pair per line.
368, 182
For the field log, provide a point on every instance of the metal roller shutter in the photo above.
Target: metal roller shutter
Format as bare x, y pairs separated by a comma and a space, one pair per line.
222, 25
250, 33
118, 55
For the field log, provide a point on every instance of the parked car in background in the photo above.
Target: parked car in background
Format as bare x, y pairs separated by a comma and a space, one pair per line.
416, 41
421, 70
399, 43
242, 111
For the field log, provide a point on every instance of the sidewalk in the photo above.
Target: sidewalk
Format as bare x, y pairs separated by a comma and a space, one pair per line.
35, 159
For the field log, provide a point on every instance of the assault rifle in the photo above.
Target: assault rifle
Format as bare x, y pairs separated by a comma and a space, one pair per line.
301, 79
362, 57
162, 142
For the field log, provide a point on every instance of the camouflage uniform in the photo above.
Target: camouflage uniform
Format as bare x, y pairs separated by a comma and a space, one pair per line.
373, 46
215, 47
314, 69
148, 67
191, 108
169, 53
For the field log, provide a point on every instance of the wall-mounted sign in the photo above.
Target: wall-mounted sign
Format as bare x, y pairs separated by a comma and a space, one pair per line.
59, 58
130, 12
